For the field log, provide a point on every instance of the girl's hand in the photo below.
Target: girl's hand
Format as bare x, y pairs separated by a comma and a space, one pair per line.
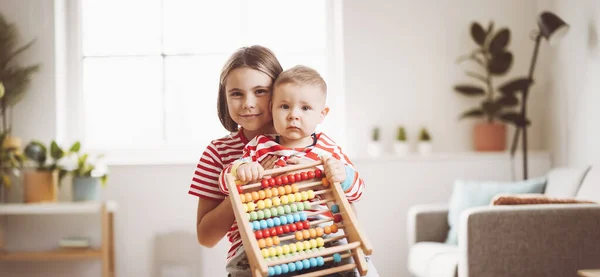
250, 172
269, 162
335, 170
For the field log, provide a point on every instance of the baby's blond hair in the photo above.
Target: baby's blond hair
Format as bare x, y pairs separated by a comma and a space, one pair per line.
301, 75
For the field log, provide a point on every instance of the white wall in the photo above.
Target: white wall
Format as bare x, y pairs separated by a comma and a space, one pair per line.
35, 115
400, 69
575, 86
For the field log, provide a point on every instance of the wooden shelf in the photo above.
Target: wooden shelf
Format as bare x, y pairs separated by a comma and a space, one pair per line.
56, 208
61, 254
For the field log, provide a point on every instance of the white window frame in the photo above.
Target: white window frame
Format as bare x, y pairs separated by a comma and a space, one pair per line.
74, 129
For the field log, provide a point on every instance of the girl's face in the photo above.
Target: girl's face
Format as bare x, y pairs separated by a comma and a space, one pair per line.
248, 94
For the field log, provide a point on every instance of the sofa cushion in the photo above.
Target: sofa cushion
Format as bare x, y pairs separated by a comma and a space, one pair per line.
564, 182
471, 194
535, 199
590, 187
433, 259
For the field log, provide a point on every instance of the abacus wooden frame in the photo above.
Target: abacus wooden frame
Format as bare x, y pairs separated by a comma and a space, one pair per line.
358, 243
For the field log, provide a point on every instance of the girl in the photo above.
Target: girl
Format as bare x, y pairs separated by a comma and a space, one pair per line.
243, 108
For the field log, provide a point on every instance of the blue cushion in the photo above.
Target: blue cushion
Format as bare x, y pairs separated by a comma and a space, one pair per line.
469, 194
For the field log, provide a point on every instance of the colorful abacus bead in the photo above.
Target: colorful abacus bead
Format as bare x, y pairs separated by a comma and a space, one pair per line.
318, 173
335, 208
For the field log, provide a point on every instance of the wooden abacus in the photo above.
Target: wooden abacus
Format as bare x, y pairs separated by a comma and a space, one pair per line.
278, 237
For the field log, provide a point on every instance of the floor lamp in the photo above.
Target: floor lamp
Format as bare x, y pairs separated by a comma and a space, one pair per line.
552, 28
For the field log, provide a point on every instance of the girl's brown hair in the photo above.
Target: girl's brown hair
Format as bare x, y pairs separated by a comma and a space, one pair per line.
256, 57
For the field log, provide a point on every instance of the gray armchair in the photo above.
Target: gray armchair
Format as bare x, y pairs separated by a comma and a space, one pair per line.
525, 240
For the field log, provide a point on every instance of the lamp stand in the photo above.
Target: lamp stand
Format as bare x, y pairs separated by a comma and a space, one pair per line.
523, 124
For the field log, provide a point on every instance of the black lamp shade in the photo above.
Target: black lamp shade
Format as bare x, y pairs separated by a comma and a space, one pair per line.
552, 27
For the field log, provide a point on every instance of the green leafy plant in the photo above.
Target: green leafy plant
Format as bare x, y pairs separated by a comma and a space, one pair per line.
38, 153
424, 135
11, 161
494, 59
86, 168
401, 136
15, 78
375, 136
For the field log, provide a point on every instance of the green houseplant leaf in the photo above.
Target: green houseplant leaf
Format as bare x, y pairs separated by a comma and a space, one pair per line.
469, 90
75, 147
477, 33
476, 112
55, 151
508, 101
516, 85
36, 151
500, 63
499, 41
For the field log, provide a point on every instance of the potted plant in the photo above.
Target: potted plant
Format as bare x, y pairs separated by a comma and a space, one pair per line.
401, 147
11, 161
374, 146
14, 77
425, 147
41, 183
88, 176
11, 158
497, 107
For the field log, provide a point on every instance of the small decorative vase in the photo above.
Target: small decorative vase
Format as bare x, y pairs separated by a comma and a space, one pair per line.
425, 148
374, 149
86, 189
40, 186
401, 148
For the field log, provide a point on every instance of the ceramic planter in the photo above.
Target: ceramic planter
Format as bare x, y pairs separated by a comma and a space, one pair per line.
489, 137
425, 148
401, 148
86, 189
374, 149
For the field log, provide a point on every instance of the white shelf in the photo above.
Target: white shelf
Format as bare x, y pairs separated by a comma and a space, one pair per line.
56, 208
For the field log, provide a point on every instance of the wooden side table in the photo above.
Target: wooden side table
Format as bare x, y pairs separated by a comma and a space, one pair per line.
106, 251
589, 273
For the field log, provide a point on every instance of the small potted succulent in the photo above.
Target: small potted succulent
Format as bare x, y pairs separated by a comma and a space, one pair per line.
425, 147
40, 184
374, 147
401, 147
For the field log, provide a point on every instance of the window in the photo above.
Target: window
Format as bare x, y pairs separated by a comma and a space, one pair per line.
148, 70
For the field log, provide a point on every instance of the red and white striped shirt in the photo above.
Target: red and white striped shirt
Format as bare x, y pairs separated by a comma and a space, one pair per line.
263, 146
205, 182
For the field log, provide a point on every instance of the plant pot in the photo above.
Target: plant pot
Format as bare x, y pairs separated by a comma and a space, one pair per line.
40, 186
12, 142
374, 149
86, 189
425, 148
489, 137
401, 148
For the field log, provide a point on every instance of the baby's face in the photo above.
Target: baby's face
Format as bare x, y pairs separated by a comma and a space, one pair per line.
297, 110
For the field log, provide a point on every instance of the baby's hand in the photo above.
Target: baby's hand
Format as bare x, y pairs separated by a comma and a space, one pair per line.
335, 170
250, 172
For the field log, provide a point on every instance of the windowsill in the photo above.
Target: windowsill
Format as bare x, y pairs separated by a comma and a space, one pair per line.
452, 156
